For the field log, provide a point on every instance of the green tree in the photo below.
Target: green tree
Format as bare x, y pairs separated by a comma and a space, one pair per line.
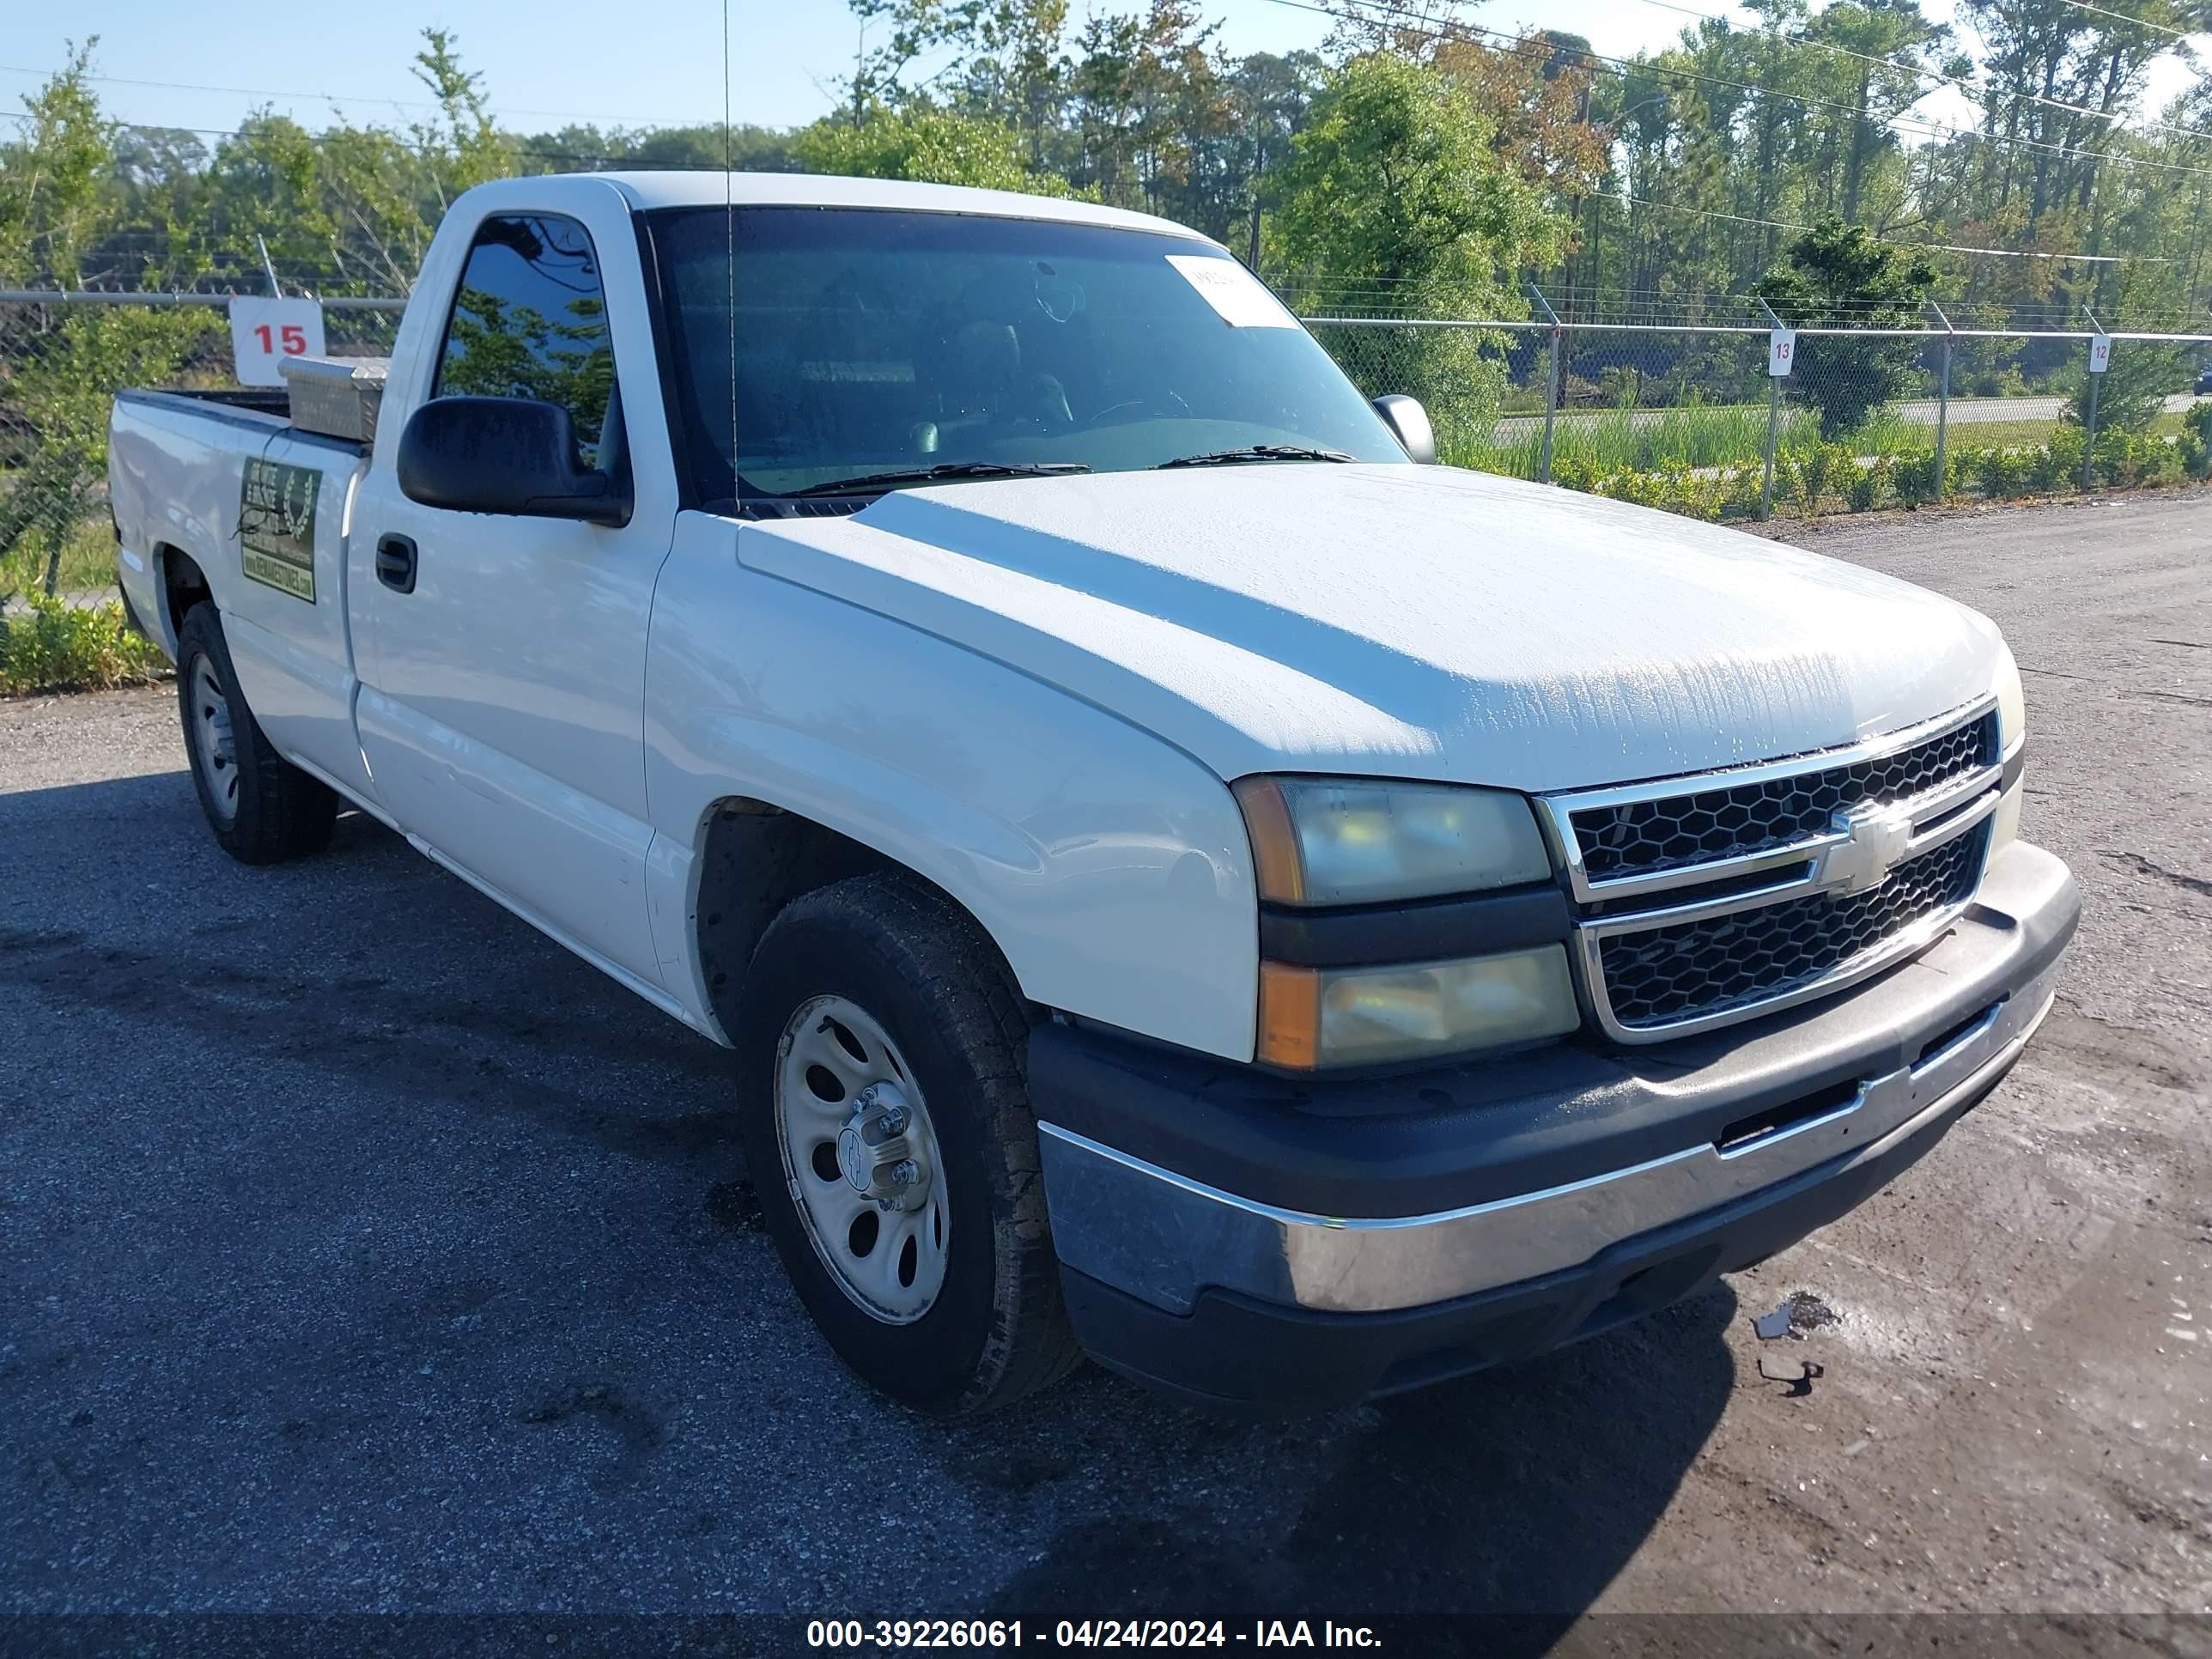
1838, 275
1393, 182
923, 144
2139, 377
53, 179
64, 385
1394, 188
57, 206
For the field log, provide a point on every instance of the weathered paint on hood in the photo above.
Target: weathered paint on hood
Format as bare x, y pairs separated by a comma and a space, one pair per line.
1401, 621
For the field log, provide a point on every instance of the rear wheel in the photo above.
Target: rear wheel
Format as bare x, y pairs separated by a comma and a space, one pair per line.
262, 808
886, 1121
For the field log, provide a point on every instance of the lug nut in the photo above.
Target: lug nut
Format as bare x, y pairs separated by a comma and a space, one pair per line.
893, 1119
904, 1172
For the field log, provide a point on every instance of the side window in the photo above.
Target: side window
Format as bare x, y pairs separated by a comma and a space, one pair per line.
530, 321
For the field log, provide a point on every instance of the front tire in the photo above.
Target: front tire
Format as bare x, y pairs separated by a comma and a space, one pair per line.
263, 809
886, 1122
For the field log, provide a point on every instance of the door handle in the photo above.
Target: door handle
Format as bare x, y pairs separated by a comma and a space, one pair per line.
395, 563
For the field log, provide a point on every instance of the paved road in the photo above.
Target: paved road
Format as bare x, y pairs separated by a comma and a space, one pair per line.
359, 1250
1964, 411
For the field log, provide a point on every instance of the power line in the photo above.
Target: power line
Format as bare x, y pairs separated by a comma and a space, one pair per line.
1919, 72
335, 101
1625, 68
536, 153
2141, 23
1932, 247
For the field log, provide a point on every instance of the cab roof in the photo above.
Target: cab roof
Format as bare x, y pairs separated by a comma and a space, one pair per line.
649, 190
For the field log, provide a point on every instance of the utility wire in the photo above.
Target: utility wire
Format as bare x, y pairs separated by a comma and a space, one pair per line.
2141, 23
337, 100
1624, 68
1921, 72
1932, 248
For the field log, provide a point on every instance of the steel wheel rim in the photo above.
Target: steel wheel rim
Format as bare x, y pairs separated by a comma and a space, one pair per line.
861, 1159
214, 742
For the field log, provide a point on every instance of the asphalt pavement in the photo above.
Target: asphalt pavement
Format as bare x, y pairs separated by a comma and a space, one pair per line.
362, 1251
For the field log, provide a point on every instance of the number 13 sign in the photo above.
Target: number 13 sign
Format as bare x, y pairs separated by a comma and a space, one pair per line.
263, 332
1780, 349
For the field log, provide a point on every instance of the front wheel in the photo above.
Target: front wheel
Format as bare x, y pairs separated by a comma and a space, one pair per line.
887, 1123
262, 808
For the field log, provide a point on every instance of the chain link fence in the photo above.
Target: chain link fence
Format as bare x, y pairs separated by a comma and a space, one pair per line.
1687, 418
63, 358
1693, 418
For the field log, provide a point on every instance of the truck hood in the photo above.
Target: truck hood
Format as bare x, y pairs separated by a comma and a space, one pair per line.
1410, 622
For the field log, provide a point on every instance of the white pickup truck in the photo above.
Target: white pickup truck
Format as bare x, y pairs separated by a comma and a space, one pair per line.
1184, 880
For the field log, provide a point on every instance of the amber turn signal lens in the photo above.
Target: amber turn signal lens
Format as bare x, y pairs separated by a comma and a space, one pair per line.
1290, 1017
1276, 867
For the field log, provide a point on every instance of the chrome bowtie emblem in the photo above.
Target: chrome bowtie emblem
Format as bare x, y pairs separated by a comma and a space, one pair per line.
1875, 838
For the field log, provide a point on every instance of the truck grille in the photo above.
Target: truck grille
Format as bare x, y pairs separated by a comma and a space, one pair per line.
1704, 900
1674, 831
1667, 974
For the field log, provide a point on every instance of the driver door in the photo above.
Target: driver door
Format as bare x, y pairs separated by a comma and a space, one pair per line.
502, 715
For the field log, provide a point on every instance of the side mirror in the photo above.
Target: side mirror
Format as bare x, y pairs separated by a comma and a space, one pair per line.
1409, 424
509, 455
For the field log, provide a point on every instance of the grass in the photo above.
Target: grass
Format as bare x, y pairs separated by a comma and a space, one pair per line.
88, 562
1731, 435
1705, 463
56, 646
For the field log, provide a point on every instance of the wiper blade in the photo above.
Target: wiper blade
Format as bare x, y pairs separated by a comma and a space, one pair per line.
940, 474
1256, 453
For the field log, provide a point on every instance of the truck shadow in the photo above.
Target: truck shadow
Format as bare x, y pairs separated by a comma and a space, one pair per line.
579, 1261
1520, 1492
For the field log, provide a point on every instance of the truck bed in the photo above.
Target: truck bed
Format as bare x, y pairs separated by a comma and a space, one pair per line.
257, 409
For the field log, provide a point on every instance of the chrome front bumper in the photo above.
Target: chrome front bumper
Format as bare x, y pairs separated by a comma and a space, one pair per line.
1950, 1024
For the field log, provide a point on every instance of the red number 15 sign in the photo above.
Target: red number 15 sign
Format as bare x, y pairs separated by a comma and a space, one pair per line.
265, 332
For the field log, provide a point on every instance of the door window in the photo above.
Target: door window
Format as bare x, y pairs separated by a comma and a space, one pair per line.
530, 321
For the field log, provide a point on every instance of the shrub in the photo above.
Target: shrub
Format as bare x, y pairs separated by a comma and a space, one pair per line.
64, 647
2133, 390
2116, 457
1742, 496
2197, 441
1866, 486
2057, 465
1914, 479
2159, 463
1839, 273
2004, 476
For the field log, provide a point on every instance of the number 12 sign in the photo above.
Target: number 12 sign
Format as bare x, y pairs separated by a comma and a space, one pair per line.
265, 332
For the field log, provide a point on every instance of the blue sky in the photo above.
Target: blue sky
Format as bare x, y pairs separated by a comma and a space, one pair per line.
657, 61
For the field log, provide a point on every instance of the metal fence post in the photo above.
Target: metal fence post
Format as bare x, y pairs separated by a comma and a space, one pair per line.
1943, 408
1773, 424
2090, 426
1551, 385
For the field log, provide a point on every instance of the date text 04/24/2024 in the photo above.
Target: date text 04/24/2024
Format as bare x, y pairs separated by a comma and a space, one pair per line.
901, 1634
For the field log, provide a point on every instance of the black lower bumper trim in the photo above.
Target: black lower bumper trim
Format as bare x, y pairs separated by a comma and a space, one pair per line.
1412, 1143
1234, 1351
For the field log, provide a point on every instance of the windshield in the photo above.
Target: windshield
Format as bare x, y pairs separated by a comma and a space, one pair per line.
875, 342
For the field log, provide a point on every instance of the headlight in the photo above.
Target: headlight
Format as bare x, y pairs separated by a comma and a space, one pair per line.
2012, 702
1355, 841
2012, 730
1350, 840
1311, 1018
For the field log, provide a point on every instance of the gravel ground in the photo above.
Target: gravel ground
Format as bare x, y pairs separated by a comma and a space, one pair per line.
359, 1250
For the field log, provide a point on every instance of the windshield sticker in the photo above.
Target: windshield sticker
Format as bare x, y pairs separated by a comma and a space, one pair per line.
277, 526
1240, 298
